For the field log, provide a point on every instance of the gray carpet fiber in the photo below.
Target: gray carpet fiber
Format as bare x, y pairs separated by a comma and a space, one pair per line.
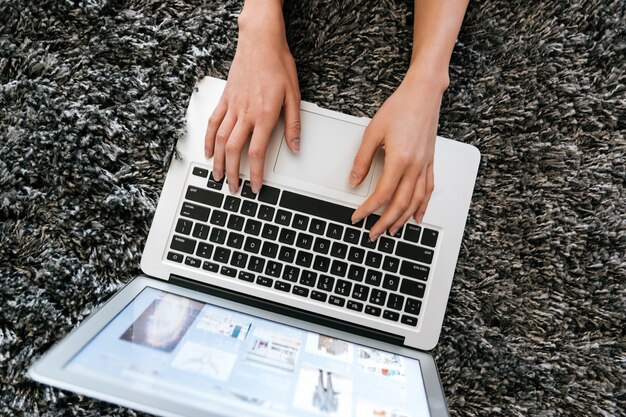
92, 99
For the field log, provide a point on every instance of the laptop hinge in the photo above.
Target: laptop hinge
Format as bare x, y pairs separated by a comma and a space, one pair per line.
286, 310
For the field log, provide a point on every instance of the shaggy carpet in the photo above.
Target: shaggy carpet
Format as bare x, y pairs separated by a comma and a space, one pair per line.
92, 99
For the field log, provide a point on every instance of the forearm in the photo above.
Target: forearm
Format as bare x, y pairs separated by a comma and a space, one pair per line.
262, 14
436, 26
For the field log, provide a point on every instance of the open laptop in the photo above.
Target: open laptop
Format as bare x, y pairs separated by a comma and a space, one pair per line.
275, 304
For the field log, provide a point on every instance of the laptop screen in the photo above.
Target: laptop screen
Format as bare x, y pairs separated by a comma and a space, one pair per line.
213, 359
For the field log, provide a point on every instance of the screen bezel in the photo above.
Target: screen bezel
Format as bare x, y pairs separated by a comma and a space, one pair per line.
50, 369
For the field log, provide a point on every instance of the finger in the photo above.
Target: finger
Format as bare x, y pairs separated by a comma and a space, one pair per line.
428, 192
363, 158
221, 137
400, 203
232, 150
213, 124
292, 121
392, 172
256, 154
419, 191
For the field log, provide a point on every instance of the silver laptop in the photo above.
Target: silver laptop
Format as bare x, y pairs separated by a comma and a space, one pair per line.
275, 304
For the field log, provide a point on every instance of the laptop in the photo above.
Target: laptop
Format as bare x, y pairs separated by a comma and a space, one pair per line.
275, 304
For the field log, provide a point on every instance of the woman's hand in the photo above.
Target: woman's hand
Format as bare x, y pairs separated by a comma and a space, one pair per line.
262, 80
405, 127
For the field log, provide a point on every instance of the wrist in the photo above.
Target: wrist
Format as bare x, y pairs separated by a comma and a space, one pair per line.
262, 17
434, 76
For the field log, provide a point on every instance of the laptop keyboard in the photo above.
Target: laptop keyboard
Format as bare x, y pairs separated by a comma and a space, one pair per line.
305, 246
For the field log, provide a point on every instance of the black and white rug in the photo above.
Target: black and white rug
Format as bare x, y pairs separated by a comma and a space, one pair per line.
92, 98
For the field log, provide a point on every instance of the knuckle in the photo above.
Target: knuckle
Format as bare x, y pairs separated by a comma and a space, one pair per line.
214, 120
255, 153
231, 147
382, 200
403, 205
221, 136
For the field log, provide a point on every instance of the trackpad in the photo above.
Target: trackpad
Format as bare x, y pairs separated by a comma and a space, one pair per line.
327, 150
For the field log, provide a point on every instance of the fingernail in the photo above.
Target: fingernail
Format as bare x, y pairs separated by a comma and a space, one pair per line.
296, 145
354, 179
374, 237
232, 187
420, 218
355, 221
392, 232
255, 187
217, 174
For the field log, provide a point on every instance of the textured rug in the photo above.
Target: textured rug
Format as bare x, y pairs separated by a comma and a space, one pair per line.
92, 98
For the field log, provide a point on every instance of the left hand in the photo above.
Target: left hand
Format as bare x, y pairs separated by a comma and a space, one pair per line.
405, 127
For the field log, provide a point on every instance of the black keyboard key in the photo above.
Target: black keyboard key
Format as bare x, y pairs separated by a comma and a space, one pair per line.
317, 226
304, 259
232, 203
413, 306
395, 301
270, 231
282, 286
339, 268
334, 231
378, 297
411, 321
210, 266
184, 226
301, 291
204, 250
315, 207
356, 273
217, 185
321, 245
300, 222
373, 311
195, 211
287, 254
308, 278
174, 257
239, 259
321, 263
252, 245
287, 236
337, 301
391, 282
319, 296
326, 283
229, 272
200, 172
218, 235
269, 250
355, 305
221, 254
360, 292
256, 264
411, 287
373, 277
264, 281
356, 255
249, 208
283, 217
366, 242
412, 232
246, 276
391, 315
269, 194
373, 259
235, 240
291, 273
183, 244
429, 237
219, 218
385, 244
391, 264
246, 190
235, 222
304, 241
371, 219
416, 253
195, 262
414, 270
351, 235
343, 287
266, 213
201, 231
339, 250
208, 197
253, 227
273, 269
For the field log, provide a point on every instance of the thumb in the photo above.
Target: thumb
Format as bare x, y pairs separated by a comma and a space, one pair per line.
292, 121
364, 156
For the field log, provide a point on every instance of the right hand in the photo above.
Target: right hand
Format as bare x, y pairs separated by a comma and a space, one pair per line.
261, 81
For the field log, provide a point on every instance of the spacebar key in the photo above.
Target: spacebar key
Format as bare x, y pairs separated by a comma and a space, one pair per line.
315, 207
